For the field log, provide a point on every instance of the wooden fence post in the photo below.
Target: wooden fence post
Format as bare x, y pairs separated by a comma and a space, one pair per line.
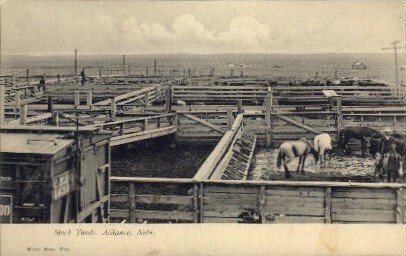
132, 202
145, 125
268, 105
262, 203
77, 98
89, 99
2, 102
201, 194
168, 99
327, 205
23, 114
50, 104
146, 99
239, 106
195, 203
399, 206
55, 118
339, 115
122, 128
13, 79
27, 76
17, 97
58, 80
113, 107
229, 119
17, 101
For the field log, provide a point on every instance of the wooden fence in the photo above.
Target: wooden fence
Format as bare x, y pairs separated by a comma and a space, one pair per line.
136, 129
286, 95
214, 201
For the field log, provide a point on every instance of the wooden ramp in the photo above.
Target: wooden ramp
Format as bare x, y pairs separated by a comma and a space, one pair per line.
240, 162
232, 156
145, 96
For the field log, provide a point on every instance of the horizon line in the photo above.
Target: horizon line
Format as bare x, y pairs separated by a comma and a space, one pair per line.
180, 53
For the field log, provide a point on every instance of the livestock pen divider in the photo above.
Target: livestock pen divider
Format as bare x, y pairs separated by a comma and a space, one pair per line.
206, 201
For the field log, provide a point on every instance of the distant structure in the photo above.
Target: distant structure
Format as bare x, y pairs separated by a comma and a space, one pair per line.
358, 65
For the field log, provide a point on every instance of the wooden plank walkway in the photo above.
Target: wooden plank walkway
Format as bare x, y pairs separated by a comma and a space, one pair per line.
138, 129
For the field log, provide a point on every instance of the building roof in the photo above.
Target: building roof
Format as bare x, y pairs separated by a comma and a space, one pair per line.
23, 143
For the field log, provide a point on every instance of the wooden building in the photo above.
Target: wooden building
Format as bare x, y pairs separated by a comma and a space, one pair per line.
50, 178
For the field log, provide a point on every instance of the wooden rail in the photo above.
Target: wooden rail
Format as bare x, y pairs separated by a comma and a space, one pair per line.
353, 94
211, 201
146, 95
136, 129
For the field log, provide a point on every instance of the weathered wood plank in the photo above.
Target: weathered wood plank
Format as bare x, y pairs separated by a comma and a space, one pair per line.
296, 191
119, 198
160, 199
164, 215
364, 193
327, 205
222, 214
220, 220
399, 211
281, 199
228, 207
231, 189
240, 203
364, 203
119, 213
296, 219
132, 202
363, 215
290, 209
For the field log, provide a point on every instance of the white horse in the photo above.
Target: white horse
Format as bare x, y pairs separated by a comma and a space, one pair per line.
292, 149
322, 143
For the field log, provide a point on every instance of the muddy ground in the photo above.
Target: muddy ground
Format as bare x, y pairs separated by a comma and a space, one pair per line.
338, 168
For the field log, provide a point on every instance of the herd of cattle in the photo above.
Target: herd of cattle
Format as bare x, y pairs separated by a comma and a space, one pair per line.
387, 147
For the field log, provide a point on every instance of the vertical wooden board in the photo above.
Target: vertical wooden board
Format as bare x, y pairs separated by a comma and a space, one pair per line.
56, 213
88, 169
404, 205
327, 205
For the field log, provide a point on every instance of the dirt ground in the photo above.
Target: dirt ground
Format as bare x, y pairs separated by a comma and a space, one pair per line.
338, 168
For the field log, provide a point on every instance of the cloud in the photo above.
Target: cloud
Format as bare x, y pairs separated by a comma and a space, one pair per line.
187, 34
140, 27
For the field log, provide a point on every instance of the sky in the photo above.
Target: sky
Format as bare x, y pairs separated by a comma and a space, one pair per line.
202, 27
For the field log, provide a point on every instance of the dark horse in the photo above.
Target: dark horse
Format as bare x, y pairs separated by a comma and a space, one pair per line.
359, 133
292, 149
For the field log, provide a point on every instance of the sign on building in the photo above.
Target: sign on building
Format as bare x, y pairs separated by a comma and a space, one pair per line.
6, 209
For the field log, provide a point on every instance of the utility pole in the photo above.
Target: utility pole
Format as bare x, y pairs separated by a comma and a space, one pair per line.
76, 66
123, 65
395, 48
